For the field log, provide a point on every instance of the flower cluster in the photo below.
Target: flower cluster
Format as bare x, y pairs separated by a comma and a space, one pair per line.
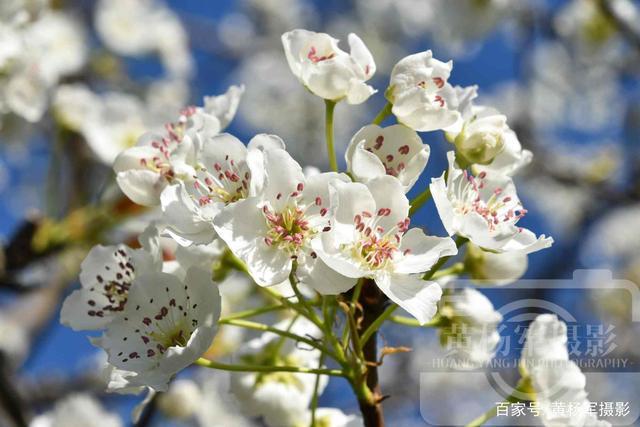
224, 206
38, 47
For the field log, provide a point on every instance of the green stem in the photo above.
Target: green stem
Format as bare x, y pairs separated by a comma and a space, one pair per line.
408, 321
375, 325
259, 368
252, 313
383, 114
331, 151
266, 328
456, 268
316, 389
523, 387
420, 200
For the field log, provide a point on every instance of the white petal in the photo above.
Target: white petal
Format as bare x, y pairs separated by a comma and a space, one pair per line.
361, 55
421, 252
388, 193
315, 273
418, 297
363, 164
243, 227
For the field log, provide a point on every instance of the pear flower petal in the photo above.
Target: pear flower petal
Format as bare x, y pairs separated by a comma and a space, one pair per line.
328, 71
369, 236
420, 93
267, 231
485, 209
395, 150
106, 276
555, 378
223, 176
166, 326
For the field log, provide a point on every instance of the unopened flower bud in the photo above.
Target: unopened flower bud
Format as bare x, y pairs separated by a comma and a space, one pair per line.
499, 268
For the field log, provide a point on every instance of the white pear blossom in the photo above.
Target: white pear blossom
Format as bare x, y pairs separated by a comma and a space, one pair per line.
282, 398
482, 136
166, 325
25, 94
145, 170
485, 209
113, 121
59, 40
227, 171
118, 25
77, 410
106, 276
421, 95
328, 71
37, 51
496, 268
395, 150
471, 326
555, 378
275, 227
369, 236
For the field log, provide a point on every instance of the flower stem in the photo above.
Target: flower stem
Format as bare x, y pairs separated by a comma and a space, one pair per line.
408, 321
456, 268
316, 387
420, 200
375, 325
331, 151
260, 368
252, 313
383, 114
265, 328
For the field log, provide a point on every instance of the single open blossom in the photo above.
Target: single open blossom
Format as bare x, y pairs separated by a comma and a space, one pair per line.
369, 236
420, 93
495, 268
223, 176
555, 378
485, 209
106, 276
156, 161
328, 71
282, 398
166, 325
470, 327
395, 150
271, 229
482, 136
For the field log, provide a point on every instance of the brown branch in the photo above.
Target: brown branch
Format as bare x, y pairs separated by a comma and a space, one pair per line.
372, 301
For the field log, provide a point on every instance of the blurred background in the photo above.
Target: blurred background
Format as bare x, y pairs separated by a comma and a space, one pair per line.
81, 80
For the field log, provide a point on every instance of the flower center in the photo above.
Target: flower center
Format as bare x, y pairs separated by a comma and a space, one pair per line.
314, 57
495, 210
375, 247
227, 183
288, 229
